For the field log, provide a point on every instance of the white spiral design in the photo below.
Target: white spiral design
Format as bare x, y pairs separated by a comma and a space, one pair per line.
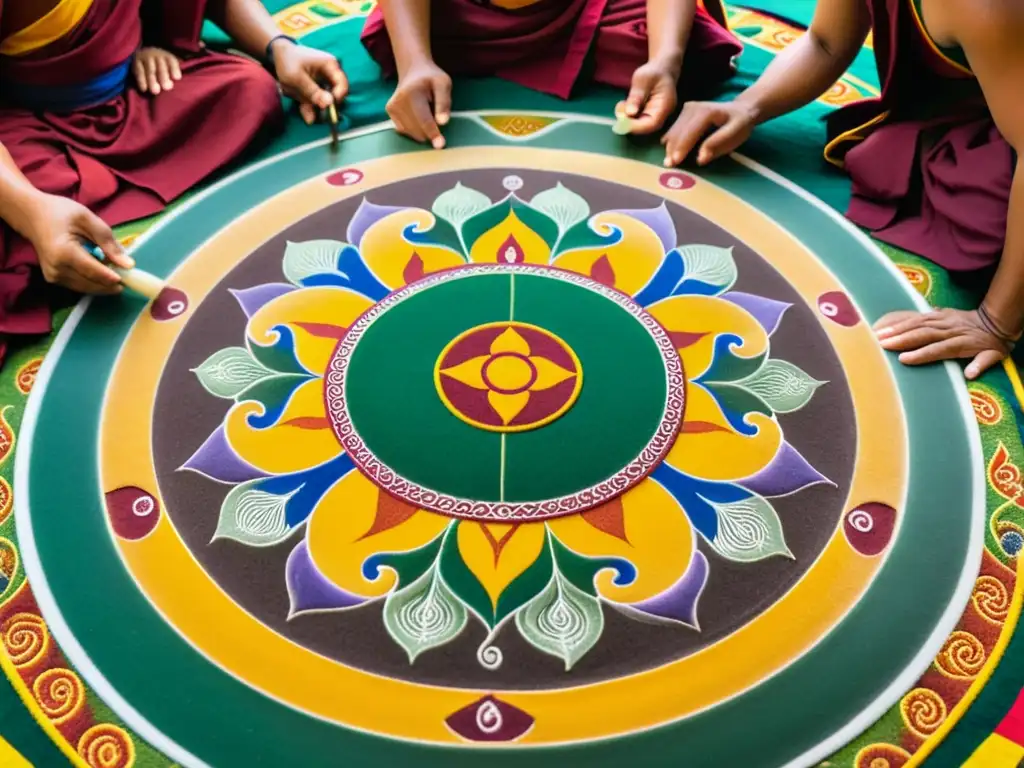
489, 656
488, 717
143, 506
861, 521
176, 307
828, 309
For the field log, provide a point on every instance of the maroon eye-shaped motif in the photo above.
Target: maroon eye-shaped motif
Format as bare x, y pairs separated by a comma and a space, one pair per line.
837, 307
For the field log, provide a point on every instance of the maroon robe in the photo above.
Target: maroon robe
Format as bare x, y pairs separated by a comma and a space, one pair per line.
544, 45
932, 175
129, 157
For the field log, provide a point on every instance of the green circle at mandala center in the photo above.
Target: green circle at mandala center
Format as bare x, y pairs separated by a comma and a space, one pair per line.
464, 393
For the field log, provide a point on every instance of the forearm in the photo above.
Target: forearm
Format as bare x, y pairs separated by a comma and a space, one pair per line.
248, 23
408, 24
20, 202
797, 76
1005, 298
669, 23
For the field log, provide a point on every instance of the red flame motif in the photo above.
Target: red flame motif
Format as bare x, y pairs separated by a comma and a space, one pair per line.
603, 272
510, 252
414, 269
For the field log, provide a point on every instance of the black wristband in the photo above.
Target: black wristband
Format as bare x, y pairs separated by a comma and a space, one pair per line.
268, 53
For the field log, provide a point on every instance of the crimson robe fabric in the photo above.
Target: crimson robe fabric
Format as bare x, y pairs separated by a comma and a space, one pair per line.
129, 157
933, 176
545, 45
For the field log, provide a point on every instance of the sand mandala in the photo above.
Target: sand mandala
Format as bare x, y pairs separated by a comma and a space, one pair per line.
527, 447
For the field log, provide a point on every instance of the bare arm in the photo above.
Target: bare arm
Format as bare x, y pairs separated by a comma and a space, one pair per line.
248, 23
669, 23
809, 67
408, 25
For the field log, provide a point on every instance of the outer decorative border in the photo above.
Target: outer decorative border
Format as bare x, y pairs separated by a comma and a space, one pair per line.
499, 511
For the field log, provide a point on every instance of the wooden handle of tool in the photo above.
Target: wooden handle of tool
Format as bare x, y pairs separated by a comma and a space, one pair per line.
141, 282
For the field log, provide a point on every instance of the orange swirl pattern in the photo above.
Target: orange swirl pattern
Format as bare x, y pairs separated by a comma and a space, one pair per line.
923, 711
963, 656
991, 599
918, 278
26, 376
842, 93
881, 756
1004, 475
60, 694
25, 638
107, 746
6, 500
987, 409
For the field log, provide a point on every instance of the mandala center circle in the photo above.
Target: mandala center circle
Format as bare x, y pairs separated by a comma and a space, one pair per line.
509, 373
508, 376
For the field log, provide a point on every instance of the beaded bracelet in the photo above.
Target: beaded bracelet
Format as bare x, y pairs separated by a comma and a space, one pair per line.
991, 327
268, 53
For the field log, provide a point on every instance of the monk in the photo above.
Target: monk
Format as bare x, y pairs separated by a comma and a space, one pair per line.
109, 110
934, 161
661, 50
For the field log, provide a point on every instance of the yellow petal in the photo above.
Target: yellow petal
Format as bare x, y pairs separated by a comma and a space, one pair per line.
393, 259
338, 543
711, 316
708, 448
317, 318
306, 442
659, 542
496, 560
508, 406
548, 373
469, 372
510, 340
633, 260
499, 244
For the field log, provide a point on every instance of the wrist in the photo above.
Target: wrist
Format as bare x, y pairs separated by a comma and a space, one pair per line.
273, 50
751, 104
414, 59
28, 214
1005, 325
668, 60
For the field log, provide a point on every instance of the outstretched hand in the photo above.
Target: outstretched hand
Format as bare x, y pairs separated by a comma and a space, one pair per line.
422, 103
58, 235
730, 123
942, 334
652, 97
155, 70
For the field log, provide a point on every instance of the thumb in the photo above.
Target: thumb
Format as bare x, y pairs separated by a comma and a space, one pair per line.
982, 362
442, 89
97, 231
638, 94
721, 142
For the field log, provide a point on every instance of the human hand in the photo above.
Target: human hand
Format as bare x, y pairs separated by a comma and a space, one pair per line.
155, 70
422, 102
733, 122
58, 232
300, 71
944, 334
652, 97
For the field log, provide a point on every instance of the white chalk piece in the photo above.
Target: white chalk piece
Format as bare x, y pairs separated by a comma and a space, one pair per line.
622, 126
141, 282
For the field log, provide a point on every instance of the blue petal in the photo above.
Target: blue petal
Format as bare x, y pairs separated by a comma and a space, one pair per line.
309, 486
681, 486
664, 281
696, 288
353, 274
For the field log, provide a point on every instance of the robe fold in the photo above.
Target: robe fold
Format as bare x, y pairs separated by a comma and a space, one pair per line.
931, 172
546, 45
130, 155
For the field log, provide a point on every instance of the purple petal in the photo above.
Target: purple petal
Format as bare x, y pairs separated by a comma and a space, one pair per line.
679, 601
251, 299
217, 460
366, 216
308, 589
788, 473
657, 219
767, 312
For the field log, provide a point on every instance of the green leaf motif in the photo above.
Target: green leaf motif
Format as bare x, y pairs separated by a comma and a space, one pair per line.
459, 204
781, 385
229, 372
424, 615
312, 257
563, 621
748, 530
327, 11
254, 517
709, 264
562, 205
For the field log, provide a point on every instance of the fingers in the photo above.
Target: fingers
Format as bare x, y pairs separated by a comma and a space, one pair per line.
894, 322
655, 112
175, 67
442, 90
331, 72
163, 73
695, 120
151, 75
306, 91
424, 118
139, 70
915, 338
75, 268
637, 97
982, 362
947, 349
90, 226
308, 113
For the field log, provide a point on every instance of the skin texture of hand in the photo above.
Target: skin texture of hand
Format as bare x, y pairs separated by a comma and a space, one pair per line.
155, 70
942, 334
652, 97
58, 233
421, 103
730, 122
312, 78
